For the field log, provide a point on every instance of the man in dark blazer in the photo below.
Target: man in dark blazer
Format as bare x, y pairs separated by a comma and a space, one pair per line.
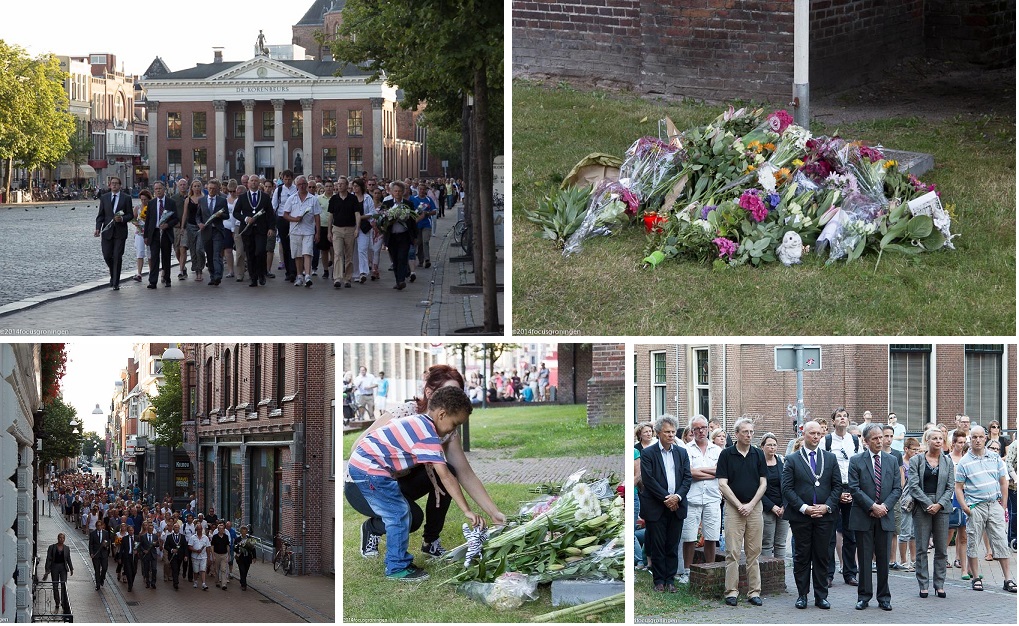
148, 542
256, 230
666, 479
100, 542
811, 486
159, 233
114, 237
59, 564
128, 554
211, 228
176, 546
871, 517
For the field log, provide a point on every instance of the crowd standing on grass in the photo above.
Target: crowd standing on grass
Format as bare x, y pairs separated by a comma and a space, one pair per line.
131, 532
860, 500
233, 229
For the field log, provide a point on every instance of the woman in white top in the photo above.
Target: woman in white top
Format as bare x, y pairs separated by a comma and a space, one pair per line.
199, 546
230, 227
375, 253
324, 247
141, 251
364, 234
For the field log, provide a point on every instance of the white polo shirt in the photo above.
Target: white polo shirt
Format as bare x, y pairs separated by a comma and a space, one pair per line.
703, 491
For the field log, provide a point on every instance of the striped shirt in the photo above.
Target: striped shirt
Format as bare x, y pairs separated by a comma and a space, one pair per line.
980, 476
399, 445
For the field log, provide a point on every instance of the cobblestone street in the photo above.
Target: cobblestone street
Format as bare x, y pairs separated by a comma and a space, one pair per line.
68, 258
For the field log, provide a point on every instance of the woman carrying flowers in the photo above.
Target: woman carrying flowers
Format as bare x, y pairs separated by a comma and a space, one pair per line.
140, 249
397, 220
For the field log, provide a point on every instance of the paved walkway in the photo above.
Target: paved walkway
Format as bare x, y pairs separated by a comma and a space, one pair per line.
963, 606
271, 596
493, 466
427, 307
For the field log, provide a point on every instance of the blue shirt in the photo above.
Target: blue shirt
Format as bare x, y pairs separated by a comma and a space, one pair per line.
383, 388
418, 202
980, 475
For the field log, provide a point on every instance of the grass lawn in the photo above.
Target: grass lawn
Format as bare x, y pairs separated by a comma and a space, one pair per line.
369, 597
541, 431
646, 602
605, 290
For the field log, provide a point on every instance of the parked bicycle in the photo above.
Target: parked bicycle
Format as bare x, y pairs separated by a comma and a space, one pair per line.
283, 556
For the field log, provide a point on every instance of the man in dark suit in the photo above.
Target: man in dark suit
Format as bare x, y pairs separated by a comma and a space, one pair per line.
256, 229
666, 479
875, 484
176, 546
211, 228
99, 542
147, 544
59, 563
159, 233
114, 237
128, 554
811, 486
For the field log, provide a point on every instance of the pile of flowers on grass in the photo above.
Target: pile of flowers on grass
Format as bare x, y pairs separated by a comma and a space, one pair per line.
573, 532
755, 188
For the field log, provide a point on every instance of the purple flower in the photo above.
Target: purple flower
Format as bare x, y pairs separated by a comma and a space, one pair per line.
707, 209
726, 247
774, 199
752, 203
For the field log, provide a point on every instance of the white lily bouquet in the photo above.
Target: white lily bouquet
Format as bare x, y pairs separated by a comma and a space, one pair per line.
254, 218
165, 218
115, 215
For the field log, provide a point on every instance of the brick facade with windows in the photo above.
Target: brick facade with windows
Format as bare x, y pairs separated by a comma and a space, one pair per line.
263, 417
606, 389
743, 381
717, 49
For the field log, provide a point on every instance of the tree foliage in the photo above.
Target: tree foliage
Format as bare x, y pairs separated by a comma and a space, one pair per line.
92, 445
60, 440
168, 407
35, 123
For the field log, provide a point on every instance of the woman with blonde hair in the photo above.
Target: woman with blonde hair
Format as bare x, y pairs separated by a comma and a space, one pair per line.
643, 435
930, 483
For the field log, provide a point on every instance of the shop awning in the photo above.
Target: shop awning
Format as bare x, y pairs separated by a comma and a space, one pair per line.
66, 171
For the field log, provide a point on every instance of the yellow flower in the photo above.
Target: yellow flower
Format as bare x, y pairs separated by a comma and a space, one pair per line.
890, 164
751, 168
797, 163
769, 146
754, 145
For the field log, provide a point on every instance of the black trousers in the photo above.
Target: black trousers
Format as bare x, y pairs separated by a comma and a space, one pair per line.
101, 563
399, 254
59, 574
244, 563
873, 542
129, 569
661, 545
849, 566
175, 565
254, 251
149, 569
283, 228
413, 486
160, 250
113, 254
810, 556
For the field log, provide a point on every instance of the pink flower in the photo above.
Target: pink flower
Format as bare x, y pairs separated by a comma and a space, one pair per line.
726, 247
780, 120
871, 154
752, 203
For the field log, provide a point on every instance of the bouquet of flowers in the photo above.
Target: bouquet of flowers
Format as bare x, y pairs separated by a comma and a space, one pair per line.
399, 212
218, 214
115, 215
165, 218
255, 217
139, 220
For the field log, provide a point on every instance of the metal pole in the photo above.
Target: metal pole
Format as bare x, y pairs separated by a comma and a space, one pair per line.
465, 438
799, 385
801, 63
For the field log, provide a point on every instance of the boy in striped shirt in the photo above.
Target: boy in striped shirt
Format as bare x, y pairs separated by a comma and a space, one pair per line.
400, 445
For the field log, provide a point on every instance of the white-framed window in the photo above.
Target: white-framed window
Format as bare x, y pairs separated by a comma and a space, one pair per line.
635, 391
659, 377
332, 434
909, 385
700, 383
983, 382
156, 367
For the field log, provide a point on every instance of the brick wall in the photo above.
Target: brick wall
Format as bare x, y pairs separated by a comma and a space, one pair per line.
574, 364
708, 579
710, 49
644, 374
951, 373
975, 31
606, 387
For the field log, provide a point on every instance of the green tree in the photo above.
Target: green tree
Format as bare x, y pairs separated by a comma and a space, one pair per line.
81, 147
169, 413
92, 445
60, 440
441, 52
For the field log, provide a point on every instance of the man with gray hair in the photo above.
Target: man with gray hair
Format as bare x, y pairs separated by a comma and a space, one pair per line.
703, 500
665, 476
981, 482
742, 479
302, 210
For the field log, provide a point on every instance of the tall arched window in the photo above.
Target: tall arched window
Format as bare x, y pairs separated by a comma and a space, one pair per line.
228, 373
208, 387
237, 375
281, 366
256, 382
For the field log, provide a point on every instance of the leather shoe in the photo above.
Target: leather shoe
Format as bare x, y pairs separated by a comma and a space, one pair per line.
885, 605
756, 601
660, 588
730, 600
822, 603
852, 581
801, 602
151, 285
862, 604
671, 588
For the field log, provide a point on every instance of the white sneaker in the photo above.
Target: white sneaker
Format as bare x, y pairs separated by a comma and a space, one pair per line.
195, 585
683, 579
300, 281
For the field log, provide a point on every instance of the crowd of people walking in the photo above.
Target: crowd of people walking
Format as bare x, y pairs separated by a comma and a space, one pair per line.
233, 229
862, 499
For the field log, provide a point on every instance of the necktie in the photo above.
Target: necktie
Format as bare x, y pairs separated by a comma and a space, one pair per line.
254, 201
813, 468
877, 475
114, 203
